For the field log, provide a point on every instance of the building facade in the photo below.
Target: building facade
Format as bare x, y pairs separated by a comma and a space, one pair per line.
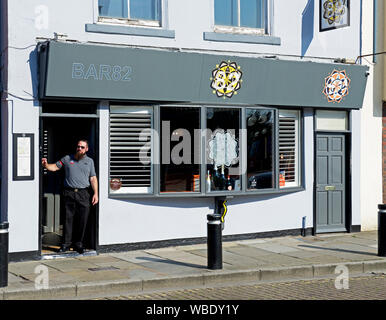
250, 101
372, 137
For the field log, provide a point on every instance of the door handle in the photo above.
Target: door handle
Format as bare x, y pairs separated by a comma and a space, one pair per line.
329, 188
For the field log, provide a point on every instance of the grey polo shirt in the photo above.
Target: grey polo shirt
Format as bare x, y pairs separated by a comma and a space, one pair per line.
77, 173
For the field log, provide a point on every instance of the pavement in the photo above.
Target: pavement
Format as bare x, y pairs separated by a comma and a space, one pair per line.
89, 275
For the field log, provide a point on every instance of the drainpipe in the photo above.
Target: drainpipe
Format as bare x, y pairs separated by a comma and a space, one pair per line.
375, 29
4, 225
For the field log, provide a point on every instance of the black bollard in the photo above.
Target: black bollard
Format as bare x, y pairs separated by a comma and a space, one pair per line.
382, 230
214, 241
4, 254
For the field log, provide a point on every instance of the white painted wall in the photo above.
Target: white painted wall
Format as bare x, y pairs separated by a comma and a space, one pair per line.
371, 118
124, 221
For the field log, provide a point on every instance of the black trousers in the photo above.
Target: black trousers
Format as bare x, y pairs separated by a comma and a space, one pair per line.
77, 209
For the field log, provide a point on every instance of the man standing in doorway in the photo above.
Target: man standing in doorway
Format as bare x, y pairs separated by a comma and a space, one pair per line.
79, 174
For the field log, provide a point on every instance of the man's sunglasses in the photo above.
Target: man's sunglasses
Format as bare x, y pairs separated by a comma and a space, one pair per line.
81, 147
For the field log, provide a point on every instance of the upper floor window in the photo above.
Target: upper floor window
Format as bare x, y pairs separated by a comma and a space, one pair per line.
146, 12
240, 13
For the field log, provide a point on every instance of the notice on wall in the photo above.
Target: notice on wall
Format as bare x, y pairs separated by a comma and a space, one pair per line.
23, 156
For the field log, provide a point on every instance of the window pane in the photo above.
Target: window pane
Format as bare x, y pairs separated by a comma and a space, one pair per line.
331, 120
260, 168
288, 148
252, 13
144, 9
222, 152
113, 8
225, 12
180, 149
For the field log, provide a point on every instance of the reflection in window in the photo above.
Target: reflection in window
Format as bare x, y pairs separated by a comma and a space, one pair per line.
132, 9
223, 126
260, 166
144, 9
240, 13
180, 151
113, 8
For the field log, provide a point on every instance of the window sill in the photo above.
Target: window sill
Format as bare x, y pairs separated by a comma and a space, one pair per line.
207, 195
130, 30
241, 38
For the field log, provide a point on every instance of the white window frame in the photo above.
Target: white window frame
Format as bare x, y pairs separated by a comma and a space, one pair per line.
129, 21
245, 30
296, 114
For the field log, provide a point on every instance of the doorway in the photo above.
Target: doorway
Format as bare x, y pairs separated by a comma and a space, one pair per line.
331, 182
59, 137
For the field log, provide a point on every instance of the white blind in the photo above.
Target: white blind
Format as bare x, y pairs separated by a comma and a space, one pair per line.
130, 150
288, 148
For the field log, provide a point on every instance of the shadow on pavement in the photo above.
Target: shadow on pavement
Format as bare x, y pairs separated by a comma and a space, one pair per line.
169, 261
339, 250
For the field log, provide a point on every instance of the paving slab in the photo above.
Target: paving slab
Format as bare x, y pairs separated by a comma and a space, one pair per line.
325, 258
54, 277
14, 278
367, 235
276, 248
101, 259
200, 246
21, 268
134, 256
249, 251
169, 268
348, 251
144, 274
361, 241
238, 260
89, 276
184, 257
251, 241
281, 260
66, 265
300, 254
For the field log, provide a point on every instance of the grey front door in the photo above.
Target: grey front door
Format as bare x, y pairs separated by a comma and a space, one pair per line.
330, 183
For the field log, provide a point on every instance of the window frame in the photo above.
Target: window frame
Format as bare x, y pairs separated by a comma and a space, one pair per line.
157, 156
129, 21
153, 141
275, 139
298, 145
159, 152
265, 30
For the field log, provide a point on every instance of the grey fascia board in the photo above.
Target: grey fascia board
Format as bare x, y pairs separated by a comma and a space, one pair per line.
246, 38
128, 30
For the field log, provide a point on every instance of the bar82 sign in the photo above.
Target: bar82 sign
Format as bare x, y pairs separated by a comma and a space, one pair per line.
334, 14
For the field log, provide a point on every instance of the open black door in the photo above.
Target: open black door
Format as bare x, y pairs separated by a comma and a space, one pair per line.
59, 138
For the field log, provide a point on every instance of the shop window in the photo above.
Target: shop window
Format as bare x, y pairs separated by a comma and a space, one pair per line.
260, 165
131, 139
180, 149
240, 15
147, 12
258, 154
223, 126
289, 148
